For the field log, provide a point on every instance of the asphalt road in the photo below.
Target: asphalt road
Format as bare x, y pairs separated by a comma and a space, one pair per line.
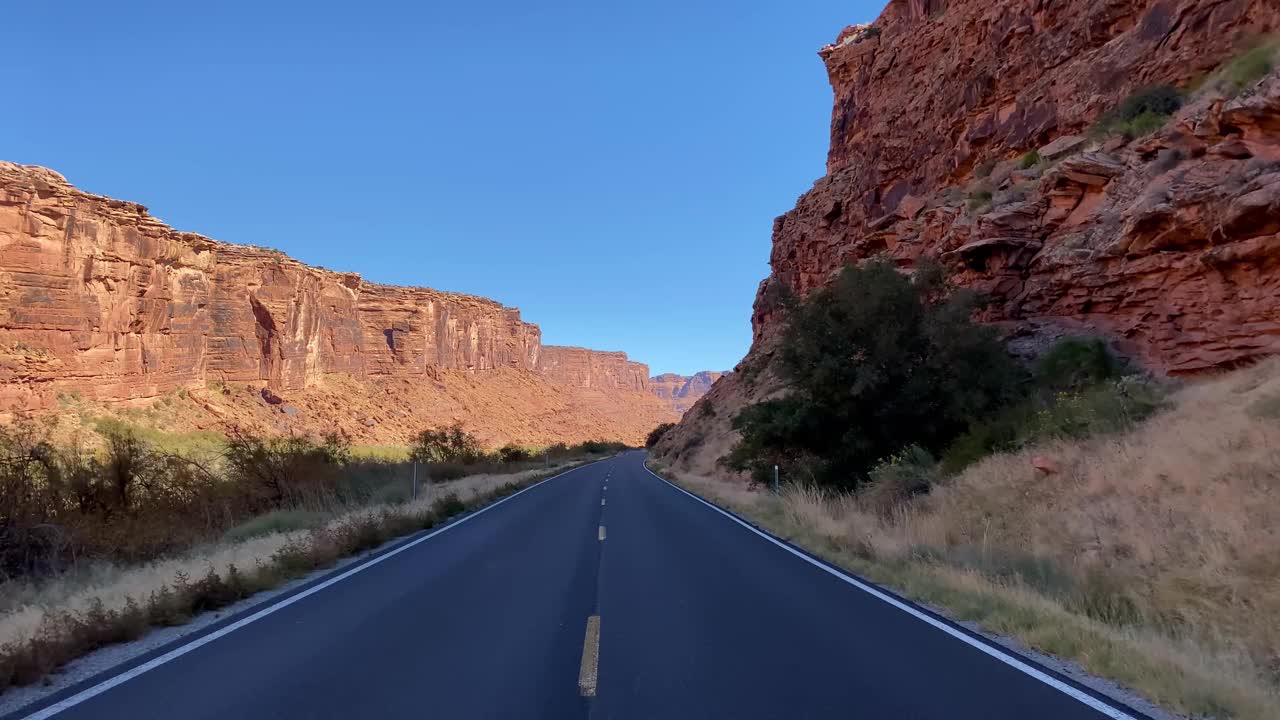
698, 617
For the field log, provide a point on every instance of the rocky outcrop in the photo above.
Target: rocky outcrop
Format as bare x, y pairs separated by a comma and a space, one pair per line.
1108, 239
99, 300
1168, 244
580, 367
682, 391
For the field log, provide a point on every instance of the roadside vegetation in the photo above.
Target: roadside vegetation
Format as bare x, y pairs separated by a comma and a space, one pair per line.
107, 536
1071, 502
656, 434
868, 398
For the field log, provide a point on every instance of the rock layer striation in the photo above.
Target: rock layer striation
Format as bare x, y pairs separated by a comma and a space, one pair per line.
683, 391
99, 300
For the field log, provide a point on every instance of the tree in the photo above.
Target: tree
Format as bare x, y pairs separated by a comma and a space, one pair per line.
656, 434
874, 362
451, 444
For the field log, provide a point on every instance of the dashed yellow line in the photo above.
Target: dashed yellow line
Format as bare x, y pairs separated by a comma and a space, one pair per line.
589, 674
602, 532
601, 502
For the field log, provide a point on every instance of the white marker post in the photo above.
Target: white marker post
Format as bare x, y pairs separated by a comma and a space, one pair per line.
775, 479
415, 481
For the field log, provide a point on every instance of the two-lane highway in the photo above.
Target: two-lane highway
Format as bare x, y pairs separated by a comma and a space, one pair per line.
603, 593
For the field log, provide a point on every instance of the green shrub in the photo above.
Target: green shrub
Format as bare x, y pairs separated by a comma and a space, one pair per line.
1247, 69
1073, 363
656, 434
1078, 390
1156, 100
509, 454
451, 444
980, 199
895, 480
597, 447
874, 362
1105, 407
1029, 160
1142, 113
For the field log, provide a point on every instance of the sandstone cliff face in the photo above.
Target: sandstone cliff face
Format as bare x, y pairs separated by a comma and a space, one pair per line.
944, 88
585, 368
1168, 244
99, 300
682, 391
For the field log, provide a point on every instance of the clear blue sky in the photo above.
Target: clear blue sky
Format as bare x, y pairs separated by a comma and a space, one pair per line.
612, 169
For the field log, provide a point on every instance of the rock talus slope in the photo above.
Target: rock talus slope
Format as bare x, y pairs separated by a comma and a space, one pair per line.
99, 300
1169, 243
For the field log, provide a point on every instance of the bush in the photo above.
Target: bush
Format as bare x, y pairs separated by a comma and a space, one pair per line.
509, 454
656, 434
895, 480
597, 447
1073, 363
1030, 160
1156, 100
287, 471
1105, 407
1247, 69
980, 199
451, 444
1142, 113
875, 361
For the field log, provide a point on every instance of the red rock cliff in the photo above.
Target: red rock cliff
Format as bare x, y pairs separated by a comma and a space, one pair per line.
682, 391
1169, 256
100, 300
126, 307
585, 368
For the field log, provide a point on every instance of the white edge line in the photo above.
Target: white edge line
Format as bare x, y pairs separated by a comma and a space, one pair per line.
991, 650
152, 664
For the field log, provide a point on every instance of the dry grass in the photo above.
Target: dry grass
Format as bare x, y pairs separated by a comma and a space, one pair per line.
26, 606
1152, 558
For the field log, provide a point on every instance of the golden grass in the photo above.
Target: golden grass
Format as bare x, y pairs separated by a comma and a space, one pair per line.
1152, 558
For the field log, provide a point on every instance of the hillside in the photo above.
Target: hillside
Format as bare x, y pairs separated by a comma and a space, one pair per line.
107, 309
992, 137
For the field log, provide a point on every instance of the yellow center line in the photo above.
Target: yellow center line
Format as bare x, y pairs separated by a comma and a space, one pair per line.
589, 674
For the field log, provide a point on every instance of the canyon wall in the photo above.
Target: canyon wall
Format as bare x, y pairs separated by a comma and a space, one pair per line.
682, 391
585, 368
101, 301
933, 93
968, 132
